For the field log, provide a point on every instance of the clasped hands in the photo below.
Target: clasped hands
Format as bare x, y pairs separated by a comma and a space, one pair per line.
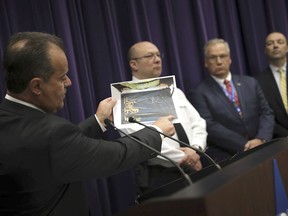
191, 159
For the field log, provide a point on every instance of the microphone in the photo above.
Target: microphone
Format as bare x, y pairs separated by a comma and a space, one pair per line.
183, 174
133, 120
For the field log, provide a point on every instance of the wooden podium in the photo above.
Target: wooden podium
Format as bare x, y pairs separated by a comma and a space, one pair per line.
242, 188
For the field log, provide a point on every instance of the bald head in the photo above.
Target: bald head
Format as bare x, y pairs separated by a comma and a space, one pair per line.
145, 60
139, 48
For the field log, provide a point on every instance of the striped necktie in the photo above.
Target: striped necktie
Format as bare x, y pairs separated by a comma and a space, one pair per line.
283, 88
231, 93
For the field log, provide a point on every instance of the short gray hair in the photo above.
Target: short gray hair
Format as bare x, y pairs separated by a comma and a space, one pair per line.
215, 41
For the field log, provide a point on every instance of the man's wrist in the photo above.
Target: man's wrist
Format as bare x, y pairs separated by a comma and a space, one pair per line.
262, 140
197, 147
101, 125
159, 130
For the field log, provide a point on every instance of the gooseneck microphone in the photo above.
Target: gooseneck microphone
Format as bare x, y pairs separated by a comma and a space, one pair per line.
133, 120
184, 175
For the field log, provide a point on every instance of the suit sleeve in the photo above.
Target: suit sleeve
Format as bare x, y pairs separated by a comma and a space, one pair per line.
76, 157
91, 128
266, 118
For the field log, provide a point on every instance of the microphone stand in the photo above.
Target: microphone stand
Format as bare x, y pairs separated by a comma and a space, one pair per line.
184, 175
133, 120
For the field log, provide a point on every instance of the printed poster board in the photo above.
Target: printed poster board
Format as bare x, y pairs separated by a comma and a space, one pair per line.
145, 100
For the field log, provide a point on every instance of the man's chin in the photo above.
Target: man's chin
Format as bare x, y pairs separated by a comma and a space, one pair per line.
158, 73
221, 74
279, 56
59, 107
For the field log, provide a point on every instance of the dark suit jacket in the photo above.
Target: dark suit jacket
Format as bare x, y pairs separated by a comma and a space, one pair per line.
269, 87
227, 132
45, 158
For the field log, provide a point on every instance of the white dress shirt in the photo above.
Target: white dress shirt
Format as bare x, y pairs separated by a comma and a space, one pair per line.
221, 81
193, 124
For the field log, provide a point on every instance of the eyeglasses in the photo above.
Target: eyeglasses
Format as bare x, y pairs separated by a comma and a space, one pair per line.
150, 56
216, 57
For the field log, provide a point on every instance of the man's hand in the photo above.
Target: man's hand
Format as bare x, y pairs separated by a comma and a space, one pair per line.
191, 159
165, 124
105, 109
252, 143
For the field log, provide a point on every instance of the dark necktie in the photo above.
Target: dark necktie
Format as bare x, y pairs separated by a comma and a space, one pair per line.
181, 134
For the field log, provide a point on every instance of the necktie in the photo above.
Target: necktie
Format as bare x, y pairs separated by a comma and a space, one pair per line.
283, 88
232, 95
181, 134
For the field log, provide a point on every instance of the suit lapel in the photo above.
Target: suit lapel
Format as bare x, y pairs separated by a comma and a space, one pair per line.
239, 89
274, 87
268, 80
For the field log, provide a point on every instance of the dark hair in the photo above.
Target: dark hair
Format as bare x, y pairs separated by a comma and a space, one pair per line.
26, 57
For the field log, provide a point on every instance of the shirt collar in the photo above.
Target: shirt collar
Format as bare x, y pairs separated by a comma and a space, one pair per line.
275, 69
8, 97
220, 81
135, 79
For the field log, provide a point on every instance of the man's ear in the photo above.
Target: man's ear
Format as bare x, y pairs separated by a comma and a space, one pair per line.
133, 65
35, 85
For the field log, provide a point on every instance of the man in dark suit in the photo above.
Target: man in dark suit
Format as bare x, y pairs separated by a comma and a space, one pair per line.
45, 158
237, 115
270, 80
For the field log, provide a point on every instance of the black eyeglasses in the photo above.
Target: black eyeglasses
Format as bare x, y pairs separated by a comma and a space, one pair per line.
150, 56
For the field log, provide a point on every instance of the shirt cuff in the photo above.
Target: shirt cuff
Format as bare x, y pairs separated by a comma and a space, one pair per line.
159, 130
101, 125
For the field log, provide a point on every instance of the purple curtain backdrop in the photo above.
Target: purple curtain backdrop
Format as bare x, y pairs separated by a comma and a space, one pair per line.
98, 33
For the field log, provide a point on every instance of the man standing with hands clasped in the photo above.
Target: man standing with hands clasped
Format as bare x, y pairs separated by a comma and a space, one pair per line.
236, 112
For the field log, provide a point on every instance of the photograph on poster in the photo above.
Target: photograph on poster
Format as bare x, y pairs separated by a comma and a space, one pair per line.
145, 100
